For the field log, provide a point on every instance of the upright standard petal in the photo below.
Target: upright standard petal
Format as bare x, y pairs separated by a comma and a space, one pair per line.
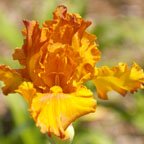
70, 30
55, 111
11, 79
61, 49
120, 78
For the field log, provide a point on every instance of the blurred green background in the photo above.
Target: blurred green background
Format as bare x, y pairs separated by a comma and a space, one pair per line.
119, 27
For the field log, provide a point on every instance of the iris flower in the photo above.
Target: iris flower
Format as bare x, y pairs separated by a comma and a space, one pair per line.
57, 59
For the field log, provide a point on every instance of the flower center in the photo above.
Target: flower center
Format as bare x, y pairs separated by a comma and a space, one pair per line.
56, 89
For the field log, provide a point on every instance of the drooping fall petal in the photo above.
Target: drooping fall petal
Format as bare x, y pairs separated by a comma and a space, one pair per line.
27, 90
55, 111
11, 79
120, 78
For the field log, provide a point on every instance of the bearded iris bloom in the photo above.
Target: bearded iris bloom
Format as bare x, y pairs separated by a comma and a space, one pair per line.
57, 60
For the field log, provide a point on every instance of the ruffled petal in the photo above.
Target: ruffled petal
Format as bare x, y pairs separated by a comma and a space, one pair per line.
55, 111
61, 49
120, 78
19, 55
89, 54
64, 25
11, 78
70, 29
31, 44
27, 90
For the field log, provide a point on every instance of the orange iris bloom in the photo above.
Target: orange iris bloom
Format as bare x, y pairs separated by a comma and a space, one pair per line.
57, 60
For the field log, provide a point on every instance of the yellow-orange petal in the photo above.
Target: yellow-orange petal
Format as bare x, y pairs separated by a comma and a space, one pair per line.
11, 79
120, 78
60, 50
70, 29
34, 38
19, 55
27, 90
55, 111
